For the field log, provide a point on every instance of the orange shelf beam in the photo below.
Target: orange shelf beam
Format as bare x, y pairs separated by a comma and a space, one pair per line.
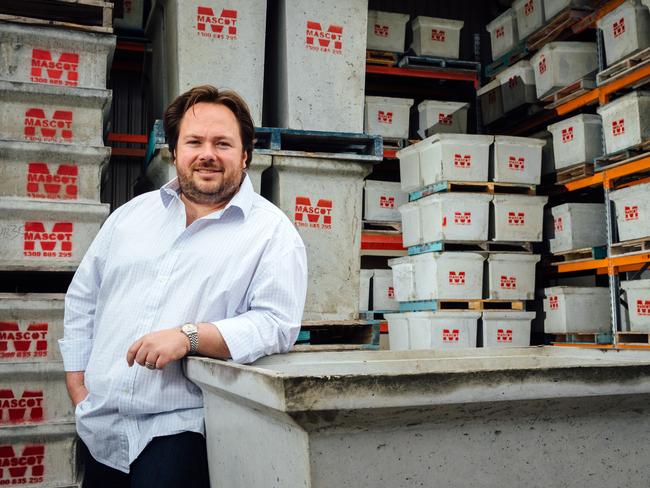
390, 153
607, 177
612, 265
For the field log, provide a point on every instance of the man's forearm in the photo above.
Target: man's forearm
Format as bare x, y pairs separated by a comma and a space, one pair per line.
74, 381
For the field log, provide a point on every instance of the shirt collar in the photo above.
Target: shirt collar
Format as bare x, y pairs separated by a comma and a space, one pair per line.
243, 199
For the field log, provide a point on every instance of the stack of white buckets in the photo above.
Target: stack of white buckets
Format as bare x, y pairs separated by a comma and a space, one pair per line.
54, 101
624, 123
459, 217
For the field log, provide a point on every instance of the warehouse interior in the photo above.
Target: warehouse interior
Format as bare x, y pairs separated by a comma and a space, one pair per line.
470, 180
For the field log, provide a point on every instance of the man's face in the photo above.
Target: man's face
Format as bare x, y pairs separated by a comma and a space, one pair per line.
210, 158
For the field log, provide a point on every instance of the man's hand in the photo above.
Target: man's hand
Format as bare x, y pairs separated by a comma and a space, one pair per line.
74, 381
159, 348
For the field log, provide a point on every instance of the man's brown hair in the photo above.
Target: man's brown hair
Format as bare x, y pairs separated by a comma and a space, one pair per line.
210, 94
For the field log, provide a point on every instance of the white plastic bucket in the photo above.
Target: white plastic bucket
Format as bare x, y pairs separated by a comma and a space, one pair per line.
503, 33
559, 64
409, 167
626, 121
578, 225
632, 211
442, 117
411, 224
387, 117
382, 200
364, 289
386, 30
572, 309
507, 329
517, 160
626, 30
432, 330
511, 276
577, 140
438, 275
518, 217
436, 37
638, 302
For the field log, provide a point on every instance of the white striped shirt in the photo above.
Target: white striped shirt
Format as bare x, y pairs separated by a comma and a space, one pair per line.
242, 268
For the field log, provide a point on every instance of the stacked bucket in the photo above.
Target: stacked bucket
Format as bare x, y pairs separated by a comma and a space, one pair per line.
54, 98
435, 219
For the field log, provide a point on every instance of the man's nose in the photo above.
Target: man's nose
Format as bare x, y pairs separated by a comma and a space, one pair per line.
208, 152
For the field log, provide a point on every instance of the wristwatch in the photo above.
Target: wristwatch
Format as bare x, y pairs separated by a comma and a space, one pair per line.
192, 333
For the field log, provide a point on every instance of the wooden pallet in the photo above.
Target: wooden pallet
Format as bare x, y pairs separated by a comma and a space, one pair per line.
474, 187
621, 68
306, 143
575, 172
382, 58
431, 62
472, 246
638, 338
629, 155
474, 305
569, 92
86, 15
634, 246
588, 338
558, 28
578, 255
347, 334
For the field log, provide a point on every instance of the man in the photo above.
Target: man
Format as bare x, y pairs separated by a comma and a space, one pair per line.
202, 266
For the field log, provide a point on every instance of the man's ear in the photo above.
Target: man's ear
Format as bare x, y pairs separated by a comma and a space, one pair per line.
244, 160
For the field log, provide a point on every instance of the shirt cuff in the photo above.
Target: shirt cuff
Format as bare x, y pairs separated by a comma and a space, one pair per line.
76, 353
239, 335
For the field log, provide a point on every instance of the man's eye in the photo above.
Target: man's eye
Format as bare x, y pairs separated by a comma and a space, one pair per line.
223, 144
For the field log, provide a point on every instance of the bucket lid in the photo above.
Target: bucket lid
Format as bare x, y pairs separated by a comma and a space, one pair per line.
422, 21
577, 119
390, 101
636, 285
514, 314
511, 257
497, 22
521, 141
576, 290
425, 104
447, 255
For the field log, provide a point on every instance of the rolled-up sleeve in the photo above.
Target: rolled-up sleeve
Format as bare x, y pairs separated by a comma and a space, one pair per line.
81, 300
276, 301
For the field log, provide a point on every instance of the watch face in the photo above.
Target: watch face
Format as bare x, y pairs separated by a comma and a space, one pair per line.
189, 328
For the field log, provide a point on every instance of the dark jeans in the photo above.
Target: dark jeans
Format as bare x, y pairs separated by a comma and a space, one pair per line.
173, 461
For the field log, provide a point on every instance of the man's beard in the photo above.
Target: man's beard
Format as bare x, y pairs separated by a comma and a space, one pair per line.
221, 193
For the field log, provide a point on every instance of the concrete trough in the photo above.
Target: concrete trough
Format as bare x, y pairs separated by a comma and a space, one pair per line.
632, 209
559, 64
436, 37
503, 33
438, 276
39, 455
530, 16
578, 139
54, 56
43, 113
424, 414
638, 303
576, 309
383, 291
382, 200
517, 86
161, 169
33, 393
47, 236
320, 64
491, 101
197, 43
506, 329
386, 30
30, 326
511, 276
323, 198
387, 117
442, 117
51, 171
626, 121
578, 225
517, 160
443, 329
626, 30
518, 218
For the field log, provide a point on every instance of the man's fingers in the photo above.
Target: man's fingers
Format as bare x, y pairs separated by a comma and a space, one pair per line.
133, 350
141, 355
152, 359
